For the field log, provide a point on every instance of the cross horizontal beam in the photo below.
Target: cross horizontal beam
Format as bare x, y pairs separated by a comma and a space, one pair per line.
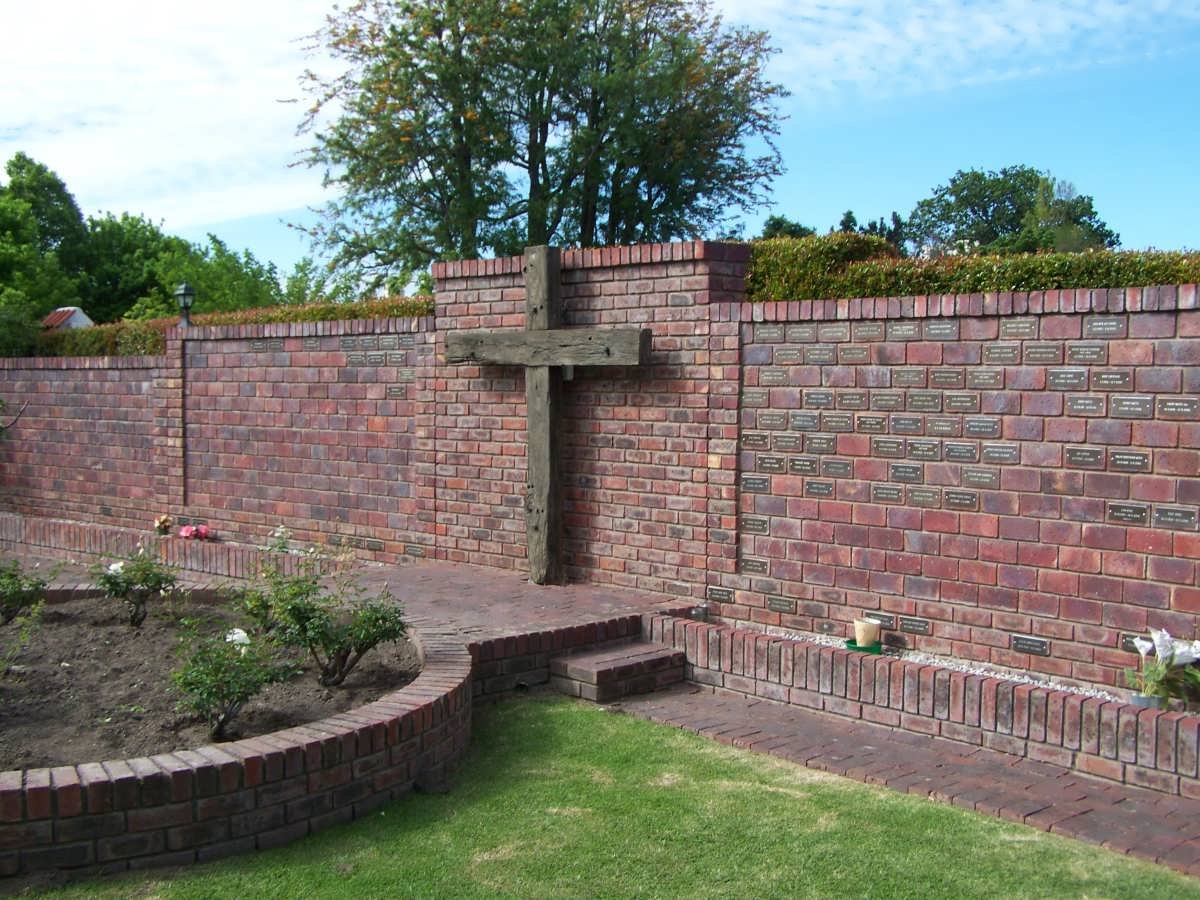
562, 347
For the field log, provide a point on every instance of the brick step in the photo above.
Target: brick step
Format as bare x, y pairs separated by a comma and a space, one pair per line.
610, 673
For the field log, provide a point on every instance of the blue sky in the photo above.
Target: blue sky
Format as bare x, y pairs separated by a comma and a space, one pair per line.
187, 113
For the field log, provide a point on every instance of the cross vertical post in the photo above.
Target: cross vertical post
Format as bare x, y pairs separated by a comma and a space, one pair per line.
543, 401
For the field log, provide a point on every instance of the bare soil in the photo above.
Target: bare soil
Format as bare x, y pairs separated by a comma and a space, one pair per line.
89, 687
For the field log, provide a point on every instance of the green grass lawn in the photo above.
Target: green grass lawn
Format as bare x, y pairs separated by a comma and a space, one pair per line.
563, 799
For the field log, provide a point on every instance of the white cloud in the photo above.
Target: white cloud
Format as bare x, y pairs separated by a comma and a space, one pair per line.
839, 49
173, 110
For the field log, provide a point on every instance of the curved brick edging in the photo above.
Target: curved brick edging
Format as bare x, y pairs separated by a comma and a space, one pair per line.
260, 792
1150, 748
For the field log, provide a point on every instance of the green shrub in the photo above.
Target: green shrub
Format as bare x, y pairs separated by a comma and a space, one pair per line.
340, 628
263, 601
807, 271
134, 582
221, 673
799, 268
148, 337
16, 639
19, 592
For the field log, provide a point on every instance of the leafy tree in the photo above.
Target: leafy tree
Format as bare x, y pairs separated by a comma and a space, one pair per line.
123, 256
32, 281
1015, 208
782, 226
462, 128
60, 226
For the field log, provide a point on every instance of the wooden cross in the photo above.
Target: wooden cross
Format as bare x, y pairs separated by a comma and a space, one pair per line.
546, 350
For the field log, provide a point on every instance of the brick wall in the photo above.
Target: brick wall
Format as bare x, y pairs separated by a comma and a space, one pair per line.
1013, 485
1004, 477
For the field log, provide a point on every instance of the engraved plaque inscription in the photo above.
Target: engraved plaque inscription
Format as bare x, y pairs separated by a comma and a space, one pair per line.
981, 478
805, 421
1128, 513
908, 425
1001, 453
788, 442
1001, 354
852, 400
925, 401
903, 331
1185, 408
1018, 328
885, 620
801, 334
395, 392
924, 497
852, 355
914, 625
962, 403
768, 334
720, 595
962, 452
755, 440
818, 488
818, 399
754, 566
833, 332
1104, 327
981, 428
886, 400
781, 605
756, 484
1082, 405
961, 500
1112, 380
943, 427
907, 473
803, 465
772, 420
347, 343
926, 451
837, 422
788, 356
820, 355
311, 343
1043, 354
392, 341
1128, 461
887, 493
887, 447
404, 340
397, 359
1034, 646
774, 465
985, 379
1177, 518
773, 377
1089, 354
755, 524
406, 374
376, 359
356, 359
952, 379
868, 331
820, 443
908, 377
837, 468
1085, 457
871, 424
755, 398
1131, 406
946, 330
1067, 379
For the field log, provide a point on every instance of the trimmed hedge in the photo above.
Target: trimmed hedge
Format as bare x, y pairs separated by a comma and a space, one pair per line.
827, 267
148, 338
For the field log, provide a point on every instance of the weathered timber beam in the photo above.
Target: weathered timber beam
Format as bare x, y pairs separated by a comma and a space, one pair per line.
564, 347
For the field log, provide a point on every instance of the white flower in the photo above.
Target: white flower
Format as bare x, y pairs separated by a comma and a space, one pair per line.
116, 568
238, 637
1173, 652
1143, 647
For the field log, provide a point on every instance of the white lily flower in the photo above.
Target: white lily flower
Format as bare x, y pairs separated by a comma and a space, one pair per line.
1143, 647
1164, 645
116, 568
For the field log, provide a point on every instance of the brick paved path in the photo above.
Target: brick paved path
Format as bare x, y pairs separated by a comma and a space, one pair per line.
1142, 823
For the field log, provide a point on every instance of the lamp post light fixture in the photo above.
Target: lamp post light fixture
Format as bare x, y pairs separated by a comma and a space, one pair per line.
185, 294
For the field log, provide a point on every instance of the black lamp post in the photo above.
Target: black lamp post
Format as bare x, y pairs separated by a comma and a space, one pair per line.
184, 295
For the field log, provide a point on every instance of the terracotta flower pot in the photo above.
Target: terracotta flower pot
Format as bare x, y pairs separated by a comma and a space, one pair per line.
866, 632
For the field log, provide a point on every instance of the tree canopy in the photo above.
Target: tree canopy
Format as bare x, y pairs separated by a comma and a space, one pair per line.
460, 128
